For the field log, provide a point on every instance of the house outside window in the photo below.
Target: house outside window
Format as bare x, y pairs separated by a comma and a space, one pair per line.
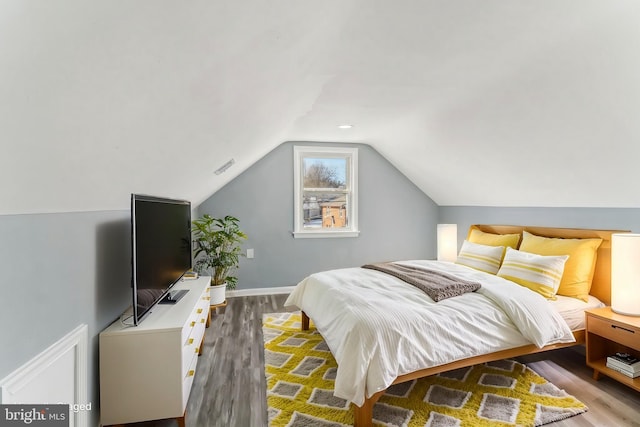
325, 185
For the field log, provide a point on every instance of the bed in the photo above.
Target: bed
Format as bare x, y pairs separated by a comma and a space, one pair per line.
383, 331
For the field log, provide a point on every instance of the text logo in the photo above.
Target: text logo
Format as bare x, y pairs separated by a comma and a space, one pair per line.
34, 415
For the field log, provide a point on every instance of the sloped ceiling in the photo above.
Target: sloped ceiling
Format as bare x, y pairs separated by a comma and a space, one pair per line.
493, 103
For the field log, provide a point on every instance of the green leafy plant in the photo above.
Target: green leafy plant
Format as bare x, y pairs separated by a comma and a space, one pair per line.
218, 248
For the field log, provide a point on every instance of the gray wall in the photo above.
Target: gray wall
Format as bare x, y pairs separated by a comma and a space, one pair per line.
396, 220
597, 218
59, 271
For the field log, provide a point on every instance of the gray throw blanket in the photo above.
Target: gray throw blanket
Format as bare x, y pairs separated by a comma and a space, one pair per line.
434, 283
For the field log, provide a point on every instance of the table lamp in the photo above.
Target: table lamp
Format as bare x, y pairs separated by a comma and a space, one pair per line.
447, 242
625, 273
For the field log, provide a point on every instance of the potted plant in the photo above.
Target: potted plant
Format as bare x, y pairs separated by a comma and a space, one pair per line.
218, 249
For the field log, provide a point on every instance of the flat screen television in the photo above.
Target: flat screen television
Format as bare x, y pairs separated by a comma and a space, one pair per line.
160, 248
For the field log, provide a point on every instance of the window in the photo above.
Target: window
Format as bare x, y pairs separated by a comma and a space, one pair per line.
325, 184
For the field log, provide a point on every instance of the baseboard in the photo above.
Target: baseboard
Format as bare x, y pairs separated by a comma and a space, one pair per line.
259, 291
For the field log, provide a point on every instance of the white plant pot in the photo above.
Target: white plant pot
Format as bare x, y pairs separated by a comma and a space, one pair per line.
217, 294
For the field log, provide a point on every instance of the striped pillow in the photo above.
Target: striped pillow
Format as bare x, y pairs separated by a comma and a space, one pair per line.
539, 273
579, 269
481, 257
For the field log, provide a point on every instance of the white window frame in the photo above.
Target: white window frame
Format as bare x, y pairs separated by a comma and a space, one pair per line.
351, 154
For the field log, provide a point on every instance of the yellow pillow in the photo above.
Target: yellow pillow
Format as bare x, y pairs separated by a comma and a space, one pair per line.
489, 239
539, 273
579, 268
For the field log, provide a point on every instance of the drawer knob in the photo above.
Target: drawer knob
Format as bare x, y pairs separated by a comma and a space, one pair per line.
202, 320
199, 311
190, 341
193, 324
191, 373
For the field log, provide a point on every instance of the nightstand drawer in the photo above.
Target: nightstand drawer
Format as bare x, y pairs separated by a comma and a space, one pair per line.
615, 331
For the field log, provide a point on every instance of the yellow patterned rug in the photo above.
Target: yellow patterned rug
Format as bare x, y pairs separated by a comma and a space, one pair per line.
300, 371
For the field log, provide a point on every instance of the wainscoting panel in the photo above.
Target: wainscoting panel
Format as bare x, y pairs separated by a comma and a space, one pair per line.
57, 375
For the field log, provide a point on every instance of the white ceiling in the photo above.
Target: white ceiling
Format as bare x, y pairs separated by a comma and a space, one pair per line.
492, 103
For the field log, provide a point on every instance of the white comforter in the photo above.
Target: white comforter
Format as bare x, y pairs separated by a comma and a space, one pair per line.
379, 327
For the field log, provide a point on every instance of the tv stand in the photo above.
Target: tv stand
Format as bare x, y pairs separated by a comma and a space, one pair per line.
146, 371
173, 296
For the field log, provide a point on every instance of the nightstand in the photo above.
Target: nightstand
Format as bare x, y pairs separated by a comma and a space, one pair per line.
607, 333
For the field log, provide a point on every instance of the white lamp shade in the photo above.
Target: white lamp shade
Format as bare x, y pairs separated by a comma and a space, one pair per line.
625, 273
447, 242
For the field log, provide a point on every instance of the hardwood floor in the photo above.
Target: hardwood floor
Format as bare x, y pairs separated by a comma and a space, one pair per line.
229, 389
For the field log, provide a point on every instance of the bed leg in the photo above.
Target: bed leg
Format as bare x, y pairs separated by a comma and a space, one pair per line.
305, 321
363, 415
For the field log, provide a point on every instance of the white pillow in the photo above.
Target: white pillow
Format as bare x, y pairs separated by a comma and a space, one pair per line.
540, 273
481, 257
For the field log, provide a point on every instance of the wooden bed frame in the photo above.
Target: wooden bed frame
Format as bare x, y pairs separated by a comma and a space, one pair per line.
600, 288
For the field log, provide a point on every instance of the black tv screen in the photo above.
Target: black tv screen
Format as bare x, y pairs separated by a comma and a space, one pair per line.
161, 248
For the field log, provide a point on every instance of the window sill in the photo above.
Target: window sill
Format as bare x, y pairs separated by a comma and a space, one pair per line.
324, 234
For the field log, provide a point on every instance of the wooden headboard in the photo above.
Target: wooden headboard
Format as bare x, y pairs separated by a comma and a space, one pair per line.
601, 286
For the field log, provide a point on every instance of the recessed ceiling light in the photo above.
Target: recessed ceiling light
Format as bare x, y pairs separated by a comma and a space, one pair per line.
345, 126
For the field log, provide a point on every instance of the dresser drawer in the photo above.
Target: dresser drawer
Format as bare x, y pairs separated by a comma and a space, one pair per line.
192, 345
202, 309
187, 380
615, 331
189, 350
193, 333
198, 316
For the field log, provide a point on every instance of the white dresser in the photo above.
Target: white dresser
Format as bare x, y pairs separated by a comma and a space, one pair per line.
146, 371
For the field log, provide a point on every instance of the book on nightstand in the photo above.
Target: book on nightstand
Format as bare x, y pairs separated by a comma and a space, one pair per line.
625, 364
623, 371
625, 358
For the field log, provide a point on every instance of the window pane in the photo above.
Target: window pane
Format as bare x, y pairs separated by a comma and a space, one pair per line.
325, 186
324, 173
324, 210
